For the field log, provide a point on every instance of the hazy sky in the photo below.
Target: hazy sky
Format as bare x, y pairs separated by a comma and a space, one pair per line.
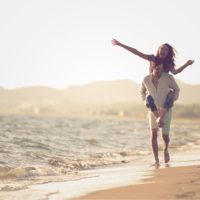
58, 43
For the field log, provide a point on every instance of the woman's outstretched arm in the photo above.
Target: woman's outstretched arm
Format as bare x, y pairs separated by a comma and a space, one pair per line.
132, 50
180, 69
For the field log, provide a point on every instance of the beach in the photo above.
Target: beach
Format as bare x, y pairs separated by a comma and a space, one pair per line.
179, 179
167, 184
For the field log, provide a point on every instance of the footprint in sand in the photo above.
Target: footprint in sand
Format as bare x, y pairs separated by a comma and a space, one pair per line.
186, 195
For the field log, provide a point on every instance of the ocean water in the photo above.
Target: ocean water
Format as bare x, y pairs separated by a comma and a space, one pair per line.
46, 149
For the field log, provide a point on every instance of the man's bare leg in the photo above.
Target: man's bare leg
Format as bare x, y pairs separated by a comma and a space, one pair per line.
154, 134
166, 144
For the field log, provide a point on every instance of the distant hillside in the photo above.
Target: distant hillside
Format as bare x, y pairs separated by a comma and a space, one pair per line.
104, 92
189, 94
91, 96
124, 91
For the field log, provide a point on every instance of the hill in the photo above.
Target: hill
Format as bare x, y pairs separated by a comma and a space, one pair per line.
91, 97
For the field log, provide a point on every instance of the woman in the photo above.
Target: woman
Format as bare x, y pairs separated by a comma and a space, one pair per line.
165, 56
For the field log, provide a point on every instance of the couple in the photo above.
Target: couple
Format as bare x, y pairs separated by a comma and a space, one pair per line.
160, 90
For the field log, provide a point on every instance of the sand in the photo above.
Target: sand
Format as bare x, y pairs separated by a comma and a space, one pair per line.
167, 184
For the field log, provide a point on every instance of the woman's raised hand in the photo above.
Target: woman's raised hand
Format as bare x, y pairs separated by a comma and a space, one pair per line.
189, 62
115, 42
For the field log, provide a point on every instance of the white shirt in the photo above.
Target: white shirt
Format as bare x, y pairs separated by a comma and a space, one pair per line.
159, 94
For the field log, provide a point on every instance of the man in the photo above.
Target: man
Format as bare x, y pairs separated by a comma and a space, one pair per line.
156, 87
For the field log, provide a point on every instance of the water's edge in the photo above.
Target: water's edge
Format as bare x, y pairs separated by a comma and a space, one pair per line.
101, 178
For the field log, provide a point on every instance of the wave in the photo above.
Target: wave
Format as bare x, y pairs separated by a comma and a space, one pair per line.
23, 172
101, 159
59, 166
56, 169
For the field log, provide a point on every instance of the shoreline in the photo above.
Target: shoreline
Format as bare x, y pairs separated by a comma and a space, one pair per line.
167, 184
88, 181
179, 177
121, 180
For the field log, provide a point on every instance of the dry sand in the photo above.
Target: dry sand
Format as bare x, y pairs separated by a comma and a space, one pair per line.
167, 184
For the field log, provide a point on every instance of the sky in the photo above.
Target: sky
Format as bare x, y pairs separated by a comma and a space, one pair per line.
58, 43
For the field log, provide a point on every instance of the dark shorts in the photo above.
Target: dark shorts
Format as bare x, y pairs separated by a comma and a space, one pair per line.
169, 101
150, 103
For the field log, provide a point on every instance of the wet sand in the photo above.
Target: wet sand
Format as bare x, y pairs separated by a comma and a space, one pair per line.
167, 184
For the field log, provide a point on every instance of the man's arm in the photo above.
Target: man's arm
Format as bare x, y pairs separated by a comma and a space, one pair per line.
173, 85
143, 91
131, 49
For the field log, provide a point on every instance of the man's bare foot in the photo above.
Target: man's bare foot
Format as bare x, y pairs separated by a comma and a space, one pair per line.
166, 156
160, 122
156, 164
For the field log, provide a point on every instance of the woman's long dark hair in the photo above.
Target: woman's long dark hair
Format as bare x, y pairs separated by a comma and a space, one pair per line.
169, 61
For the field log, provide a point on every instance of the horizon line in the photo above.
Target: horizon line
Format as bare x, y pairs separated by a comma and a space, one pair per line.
84, 84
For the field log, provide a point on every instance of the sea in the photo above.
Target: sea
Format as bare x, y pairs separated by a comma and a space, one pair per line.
38, 150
